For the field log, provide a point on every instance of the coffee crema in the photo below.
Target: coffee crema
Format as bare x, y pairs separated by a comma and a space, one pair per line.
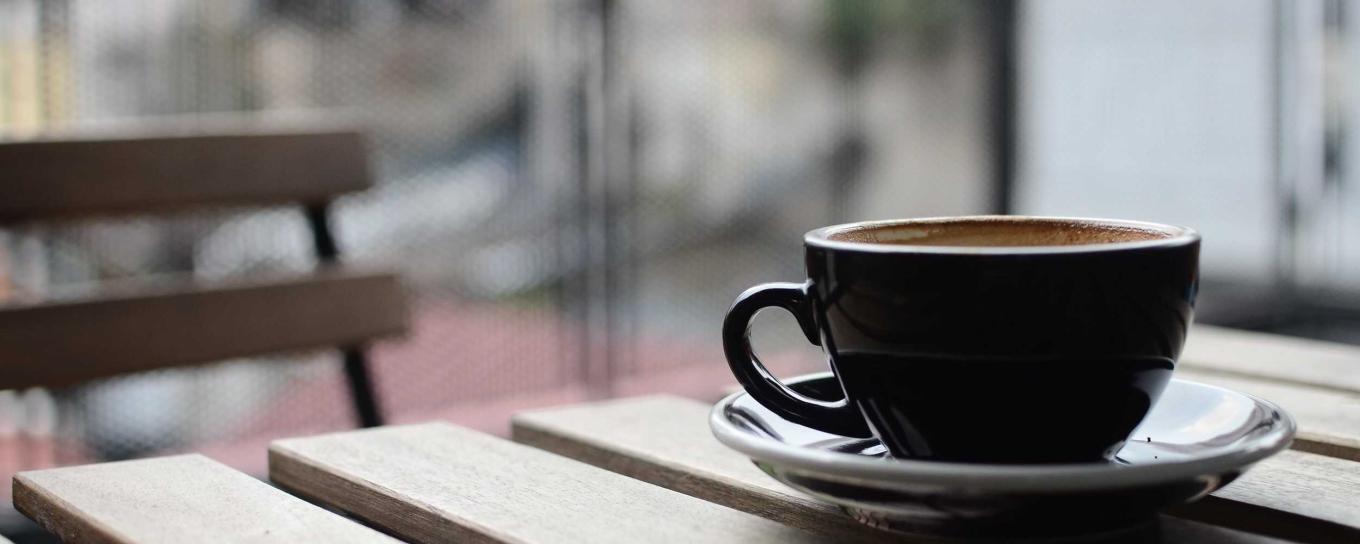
998, 232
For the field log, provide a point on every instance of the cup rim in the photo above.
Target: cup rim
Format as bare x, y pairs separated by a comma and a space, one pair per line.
1177, 236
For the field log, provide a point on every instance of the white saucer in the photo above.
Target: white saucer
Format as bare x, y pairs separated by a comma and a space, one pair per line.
1197, 439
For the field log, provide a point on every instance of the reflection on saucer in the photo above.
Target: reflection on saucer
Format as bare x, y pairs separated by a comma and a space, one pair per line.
1197, 439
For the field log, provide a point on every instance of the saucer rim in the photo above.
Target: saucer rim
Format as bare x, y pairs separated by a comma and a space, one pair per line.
1001, 477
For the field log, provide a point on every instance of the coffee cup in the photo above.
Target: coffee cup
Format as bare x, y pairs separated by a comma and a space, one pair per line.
983, 339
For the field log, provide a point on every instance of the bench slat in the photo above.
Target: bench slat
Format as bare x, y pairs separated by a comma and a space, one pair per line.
69, 177
440, 483
665, 440
187, 498
1277, 358
65, 342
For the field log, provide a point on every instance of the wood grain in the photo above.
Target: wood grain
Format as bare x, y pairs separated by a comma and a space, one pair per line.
1318, 382
1295, 495
67, 177
173, 500
1328, 419
665, 440
65, 342
440, 483
1279, 359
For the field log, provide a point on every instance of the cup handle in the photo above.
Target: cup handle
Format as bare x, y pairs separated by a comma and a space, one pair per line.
836, 417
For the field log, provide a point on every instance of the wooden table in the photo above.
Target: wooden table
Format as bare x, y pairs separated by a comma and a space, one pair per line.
647, 470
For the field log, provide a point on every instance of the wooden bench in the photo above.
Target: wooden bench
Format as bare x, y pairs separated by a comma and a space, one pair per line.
159, 167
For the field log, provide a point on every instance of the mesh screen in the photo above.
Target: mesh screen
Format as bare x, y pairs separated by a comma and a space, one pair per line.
573, 191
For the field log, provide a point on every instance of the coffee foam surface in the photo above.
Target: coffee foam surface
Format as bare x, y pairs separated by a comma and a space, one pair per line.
998, 233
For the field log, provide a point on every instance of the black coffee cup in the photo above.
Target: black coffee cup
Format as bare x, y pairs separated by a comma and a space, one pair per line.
989, 339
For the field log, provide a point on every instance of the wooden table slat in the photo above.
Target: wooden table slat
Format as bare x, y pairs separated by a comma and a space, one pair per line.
440, 483
187, 498
665, 440
1328, 419
1299, 495
1272, 357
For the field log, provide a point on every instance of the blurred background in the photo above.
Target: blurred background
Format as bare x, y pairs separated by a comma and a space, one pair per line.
575, 190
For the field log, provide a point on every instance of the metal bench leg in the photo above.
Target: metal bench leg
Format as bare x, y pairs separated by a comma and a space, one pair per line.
361, 388
356, 360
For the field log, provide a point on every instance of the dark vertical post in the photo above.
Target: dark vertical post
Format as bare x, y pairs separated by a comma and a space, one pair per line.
595, 248
999, 22
580, 289
598, 210
616, 194
354, 357
1329, 207
1284, 105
